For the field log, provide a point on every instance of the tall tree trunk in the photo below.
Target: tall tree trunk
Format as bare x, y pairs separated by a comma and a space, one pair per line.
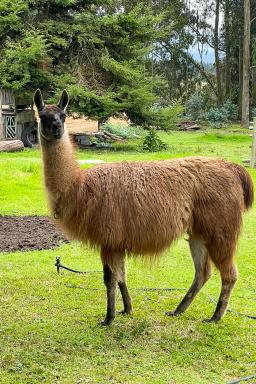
246, 65
253, 85
240, 77
227, 44
216, 52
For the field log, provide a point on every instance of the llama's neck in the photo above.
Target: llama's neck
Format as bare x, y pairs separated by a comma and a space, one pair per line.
60, 167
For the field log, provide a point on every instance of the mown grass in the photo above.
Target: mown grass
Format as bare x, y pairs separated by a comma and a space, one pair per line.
49, 330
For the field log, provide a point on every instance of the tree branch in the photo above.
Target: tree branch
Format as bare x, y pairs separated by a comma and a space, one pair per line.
204, 38
170, 49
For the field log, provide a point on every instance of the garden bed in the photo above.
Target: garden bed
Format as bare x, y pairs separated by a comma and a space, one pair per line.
28, 233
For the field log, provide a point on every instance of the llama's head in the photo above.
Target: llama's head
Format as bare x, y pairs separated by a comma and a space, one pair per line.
52, 117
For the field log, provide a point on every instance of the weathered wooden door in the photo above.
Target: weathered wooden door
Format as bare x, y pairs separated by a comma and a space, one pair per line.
10, 127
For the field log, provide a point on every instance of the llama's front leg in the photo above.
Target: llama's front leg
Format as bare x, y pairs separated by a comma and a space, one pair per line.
110, 282
124, 289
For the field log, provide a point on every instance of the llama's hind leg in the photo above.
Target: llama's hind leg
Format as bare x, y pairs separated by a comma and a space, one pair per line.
202, 274
124, 290
228, 274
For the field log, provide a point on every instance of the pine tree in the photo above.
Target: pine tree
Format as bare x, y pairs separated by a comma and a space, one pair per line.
97, 50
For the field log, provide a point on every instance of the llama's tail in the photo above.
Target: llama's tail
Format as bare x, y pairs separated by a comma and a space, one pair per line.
246, 183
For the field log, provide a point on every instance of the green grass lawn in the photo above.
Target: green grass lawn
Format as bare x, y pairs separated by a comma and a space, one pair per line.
49, 324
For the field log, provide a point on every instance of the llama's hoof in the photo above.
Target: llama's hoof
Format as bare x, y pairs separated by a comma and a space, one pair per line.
171, 313
106, 322
125, 312
211, 320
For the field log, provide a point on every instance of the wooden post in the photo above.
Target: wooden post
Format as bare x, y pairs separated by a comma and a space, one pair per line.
253, 156
1, 120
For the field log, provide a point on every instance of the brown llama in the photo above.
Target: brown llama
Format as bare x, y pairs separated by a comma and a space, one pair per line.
140, 208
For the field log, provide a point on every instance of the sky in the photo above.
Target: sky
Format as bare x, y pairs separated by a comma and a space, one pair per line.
208, 56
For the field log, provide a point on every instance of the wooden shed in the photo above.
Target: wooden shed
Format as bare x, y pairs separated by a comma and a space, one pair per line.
17, 118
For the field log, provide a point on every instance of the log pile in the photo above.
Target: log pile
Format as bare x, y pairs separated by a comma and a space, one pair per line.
11, 146
85, 140
108, 137
187, 125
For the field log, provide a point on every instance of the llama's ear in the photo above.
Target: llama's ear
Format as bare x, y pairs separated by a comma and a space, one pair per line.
38, 100
63, 103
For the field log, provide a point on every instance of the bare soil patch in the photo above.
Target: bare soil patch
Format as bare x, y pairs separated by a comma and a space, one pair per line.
28, 233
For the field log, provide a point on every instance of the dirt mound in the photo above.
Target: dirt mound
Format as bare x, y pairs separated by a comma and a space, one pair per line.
28, 233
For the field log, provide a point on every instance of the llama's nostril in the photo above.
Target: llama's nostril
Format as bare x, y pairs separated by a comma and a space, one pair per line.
58, 132
56, 122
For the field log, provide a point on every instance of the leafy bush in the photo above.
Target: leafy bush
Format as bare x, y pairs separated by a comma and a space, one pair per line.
195, 106
231, 110
254, 112
218, 117
153, 143
125, 131
164, 117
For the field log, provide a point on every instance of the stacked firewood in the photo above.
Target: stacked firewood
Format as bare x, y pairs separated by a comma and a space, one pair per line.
107, 136
187, 125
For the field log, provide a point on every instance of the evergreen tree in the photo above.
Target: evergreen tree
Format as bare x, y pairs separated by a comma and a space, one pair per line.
97, 50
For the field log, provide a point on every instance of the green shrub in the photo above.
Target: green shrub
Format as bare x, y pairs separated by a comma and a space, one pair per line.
231, 110
153, 143
164, 118
125, 131
195, 107
254, 112
218, 117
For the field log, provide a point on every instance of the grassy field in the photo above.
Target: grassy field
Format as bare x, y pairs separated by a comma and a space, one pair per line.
49, 324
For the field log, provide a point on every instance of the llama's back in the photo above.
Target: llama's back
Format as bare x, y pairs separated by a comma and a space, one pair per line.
142, 207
